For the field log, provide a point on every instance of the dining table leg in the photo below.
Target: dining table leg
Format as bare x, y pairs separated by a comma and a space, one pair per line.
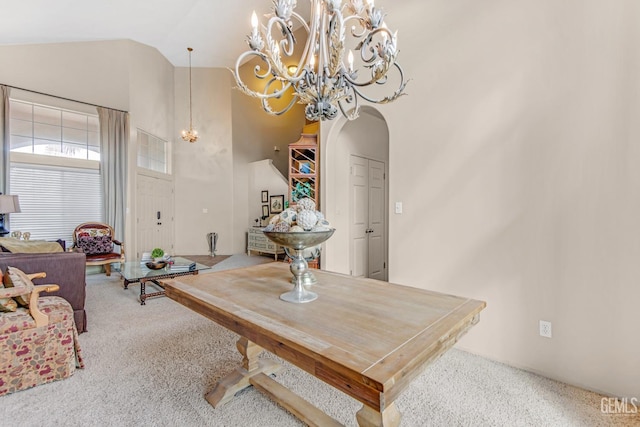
239, 379
369, 417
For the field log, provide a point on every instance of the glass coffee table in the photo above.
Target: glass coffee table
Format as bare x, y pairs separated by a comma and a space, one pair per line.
137, 271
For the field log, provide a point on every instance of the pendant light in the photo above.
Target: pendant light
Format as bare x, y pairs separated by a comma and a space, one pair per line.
190, 135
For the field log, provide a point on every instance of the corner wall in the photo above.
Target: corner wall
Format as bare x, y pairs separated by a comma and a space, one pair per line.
255, 133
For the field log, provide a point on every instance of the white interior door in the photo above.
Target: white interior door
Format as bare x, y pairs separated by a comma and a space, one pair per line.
376, 231
367, 218
359, 213
154, 208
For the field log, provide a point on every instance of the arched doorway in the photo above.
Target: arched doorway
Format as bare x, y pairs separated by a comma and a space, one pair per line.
365, 141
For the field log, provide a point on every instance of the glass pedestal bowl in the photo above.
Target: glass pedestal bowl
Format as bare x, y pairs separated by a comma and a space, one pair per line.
296, 243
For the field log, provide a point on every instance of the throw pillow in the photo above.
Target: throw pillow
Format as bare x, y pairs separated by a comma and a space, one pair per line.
7, 304
93, 232
16, 278
95, 244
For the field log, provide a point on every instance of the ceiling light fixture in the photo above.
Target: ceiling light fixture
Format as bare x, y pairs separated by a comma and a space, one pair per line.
322, 81
190, 135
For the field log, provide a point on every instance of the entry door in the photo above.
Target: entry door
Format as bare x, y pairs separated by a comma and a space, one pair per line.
368, 218
154, 208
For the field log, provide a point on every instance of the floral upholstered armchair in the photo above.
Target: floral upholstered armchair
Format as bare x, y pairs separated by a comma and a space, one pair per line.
38, 336
97, 241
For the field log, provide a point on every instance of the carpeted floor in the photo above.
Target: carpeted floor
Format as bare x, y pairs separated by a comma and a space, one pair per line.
151, 366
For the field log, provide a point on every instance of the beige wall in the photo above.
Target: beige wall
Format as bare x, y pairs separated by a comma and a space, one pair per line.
514, 155
94, 72
203, 171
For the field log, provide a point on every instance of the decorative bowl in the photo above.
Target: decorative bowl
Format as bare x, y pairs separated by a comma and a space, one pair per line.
156, 265
298, 240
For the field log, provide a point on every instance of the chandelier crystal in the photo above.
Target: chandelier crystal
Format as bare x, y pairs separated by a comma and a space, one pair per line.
322, 79
190, 135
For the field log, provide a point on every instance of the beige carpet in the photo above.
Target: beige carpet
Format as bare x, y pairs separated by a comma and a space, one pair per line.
151, 366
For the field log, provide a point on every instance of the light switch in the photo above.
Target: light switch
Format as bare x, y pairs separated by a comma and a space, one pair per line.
398, 207
205, 210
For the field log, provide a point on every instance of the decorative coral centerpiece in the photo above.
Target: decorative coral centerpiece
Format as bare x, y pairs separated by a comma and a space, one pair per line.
302, 217
296, 229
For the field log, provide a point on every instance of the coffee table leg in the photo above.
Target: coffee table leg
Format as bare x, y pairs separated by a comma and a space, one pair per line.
238, 380
142, 292
369, 417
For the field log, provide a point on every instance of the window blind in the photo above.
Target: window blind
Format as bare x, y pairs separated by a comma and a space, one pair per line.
54, 200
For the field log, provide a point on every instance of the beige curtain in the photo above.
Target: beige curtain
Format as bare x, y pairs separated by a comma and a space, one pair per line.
114, 140
4, 134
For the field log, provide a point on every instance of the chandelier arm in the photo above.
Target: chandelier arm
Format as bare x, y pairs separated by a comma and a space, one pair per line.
354, 112
321, 63
256, 69
272, 50
268, 72
361, 24
276, 95
374, 54
248, 91
399, 92
288, 39
267, 107
286, 45
312, 35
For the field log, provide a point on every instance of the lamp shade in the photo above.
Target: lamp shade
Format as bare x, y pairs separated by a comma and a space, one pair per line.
9, 204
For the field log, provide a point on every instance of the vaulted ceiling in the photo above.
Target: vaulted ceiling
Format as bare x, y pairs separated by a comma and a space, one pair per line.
215, 29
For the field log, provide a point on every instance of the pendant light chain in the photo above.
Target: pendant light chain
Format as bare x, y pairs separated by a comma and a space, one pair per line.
190, 98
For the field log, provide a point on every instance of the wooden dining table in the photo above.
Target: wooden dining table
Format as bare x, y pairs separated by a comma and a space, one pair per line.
367, 338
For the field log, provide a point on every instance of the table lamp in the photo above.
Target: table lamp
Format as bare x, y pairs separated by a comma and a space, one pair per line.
8, 204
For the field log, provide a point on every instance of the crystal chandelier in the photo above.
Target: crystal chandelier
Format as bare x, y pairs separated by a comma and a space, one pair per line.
190, 135
322, 80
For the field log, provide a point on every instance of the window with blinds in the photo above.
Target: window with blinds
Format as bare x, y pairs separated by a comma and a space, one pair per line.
54, 169
54, 200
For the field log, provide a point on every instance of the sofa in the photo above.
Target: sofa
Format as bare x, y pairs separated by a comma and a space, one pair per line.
66, 269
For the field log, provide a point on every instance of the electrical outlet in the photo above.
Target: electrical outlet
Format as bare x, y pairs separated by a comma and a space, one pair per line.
545, 329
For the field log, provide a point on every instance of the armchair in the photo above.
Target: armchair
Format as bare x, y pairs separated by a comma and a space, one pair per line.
38, 343
96, 240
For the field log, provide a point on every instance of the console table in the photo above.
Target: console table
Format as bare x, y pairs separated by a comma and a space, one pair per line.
365, 337
258, 242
